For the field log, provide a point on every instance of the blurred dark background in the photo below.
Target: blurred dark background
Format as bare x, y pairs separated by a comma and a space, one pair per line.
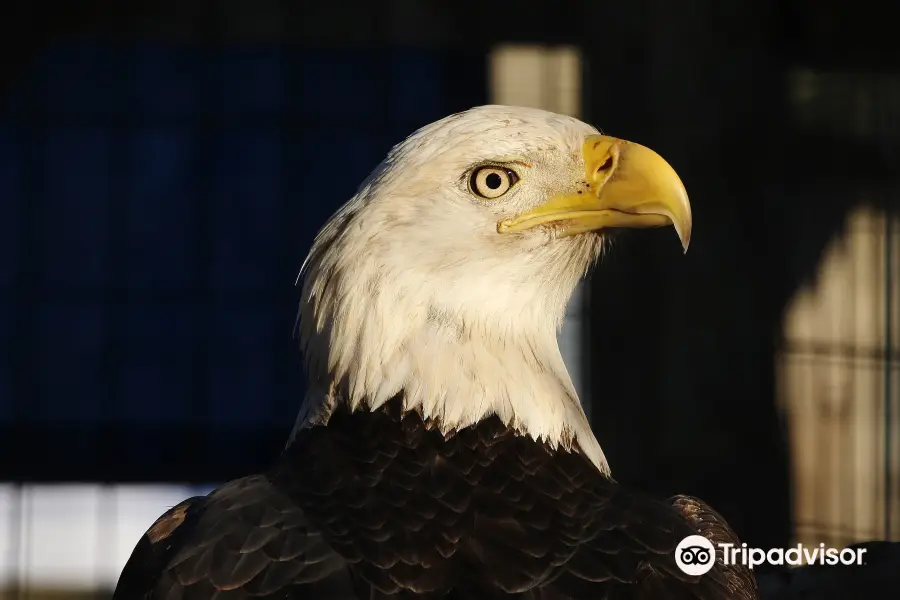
164, 167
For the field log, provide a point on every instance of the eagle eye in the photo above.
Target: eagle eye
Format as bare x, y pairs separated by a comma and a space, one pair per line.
491, 182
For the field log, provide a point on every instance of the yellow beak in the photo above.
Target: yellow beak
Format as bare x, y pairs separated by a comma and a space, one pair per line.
628, 185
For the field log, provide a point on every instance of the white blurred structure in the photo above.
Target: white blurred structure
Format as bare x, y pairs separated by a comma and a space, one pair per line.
833, 382
76, 537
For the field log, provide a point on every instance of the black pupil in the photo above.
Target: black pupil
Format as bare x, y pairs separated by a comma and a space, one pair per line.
493, 181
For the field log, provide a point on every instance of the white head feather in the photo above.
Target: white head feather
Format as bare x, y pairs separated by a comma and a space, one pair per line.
410, 288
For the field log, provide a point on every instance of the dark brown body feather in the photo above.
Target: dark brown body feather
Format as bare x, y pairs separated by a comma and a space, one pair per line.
245, 540
382, 505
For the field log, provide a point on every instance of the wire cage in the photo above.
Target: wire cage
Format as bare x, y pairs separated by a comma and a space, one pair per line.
164, 172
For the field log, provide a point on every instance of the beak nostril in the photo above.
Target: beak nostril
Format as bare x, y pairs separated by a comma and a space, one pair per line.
606, 166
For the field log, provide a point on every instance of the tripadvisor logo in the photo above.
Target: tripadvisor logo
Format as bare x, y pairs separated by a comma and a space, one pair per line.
696, 555
794, 556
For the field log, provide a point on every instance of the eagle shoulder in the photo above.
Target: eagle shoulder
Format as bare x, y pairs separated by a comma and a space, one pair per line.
628, 550
154, 550
246, 538
711, 525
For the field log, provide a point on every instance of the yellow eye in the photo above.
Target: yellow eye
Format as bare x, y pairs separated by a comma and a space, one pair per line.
492, 182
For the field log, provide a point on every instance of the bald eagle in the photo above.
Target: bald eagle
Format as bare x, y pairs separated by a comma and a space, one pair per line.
441, 450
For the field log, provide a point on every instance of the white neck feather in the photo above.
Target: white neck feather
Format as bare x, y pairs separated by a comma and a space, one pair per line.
458, 357
458, 379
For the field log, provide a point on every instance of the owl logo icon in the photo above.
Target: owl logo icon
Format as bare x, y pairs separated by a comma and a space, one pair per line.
695, 555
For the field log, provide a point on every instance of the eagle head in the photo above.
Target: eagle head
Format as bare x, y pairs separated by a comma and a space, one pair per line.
446, 276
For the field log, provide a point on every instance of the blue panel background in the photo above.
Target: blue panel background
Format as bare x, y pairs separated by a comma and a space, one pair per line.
157, 203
